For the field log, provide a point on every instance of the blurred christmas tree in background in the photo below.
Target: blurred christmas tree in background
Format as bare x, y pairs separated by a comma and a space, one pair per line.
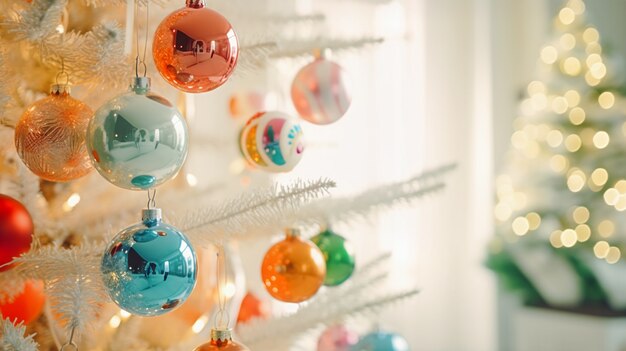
560, 200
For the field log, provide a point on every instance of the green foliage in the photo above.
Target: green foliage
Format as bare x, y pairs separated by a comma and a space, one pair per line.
512, 277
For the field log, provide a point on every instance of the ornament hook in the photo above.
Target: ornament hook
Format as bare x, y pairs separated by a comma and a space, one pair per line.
70, 343
222, 317
142, 61
61, 74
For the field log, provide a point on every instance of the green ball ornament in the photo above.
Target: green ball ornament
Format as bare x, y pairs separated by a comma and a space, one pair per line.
339, 256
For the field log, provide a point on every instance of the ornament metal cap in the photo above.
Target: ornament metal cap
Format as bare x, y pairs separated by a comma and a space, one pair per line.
292, 232
321, 53
196, 4
60, 89
140, 85
150, 214
221, 334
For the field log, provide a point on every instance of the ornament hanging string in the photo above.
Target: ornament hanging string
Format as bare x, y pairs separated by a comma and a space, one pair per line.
151, 198
222, 317
141, 61
70, 344
61, 74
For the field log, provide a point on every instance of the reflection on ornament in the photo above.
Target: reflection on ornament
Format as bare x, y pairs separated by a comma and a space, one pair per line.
16, 230
337, 338
252, 308
50, 136
195, 48
272, 141
293, 270
149, 268
138, 140
339, 257
246, 104
25, 306
221, 339
381, 341
319, 92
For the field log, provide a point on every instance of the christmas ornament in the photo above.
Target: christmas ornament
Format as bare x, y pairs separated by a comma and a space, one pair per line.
25, 306
319, 92
272, 141
149, 268
252, 308
16, 230
381, 341
137, 140
195, 48
50, 136
293, 270
221, 339
246, 104
339, 256
337, 338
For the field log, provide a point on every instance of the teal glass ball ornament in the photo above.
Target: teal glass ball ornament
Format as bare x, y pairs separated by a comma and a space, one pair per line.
381, 341
137, 140
339, 256
149, 268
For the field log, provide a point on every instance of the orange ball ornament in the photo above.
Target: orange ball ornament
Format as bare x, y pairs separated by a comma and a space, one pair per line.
195, 48
221, 340
50, 136
25, 306
294, 269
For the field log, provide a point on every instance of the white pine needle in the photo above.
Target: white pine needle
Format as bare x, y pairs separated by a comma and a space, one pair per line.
13, 338
37, 21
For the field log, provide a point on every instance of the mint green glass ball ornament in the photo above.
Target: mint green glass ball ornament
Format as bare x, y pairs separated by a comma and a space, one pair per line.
137, 140
339, 256
149, 268
381, 341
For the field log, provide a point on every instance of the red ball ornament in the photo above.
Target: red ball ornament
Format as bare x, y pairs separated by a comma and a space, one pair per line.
16, 229
221, 340
195, 48
252, 308
27, 305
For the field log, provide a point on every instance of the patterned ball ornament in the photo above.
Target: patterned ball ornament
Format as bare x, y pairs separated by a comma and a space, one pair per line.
25, 306
149, 268
137, 140
319, 92
272, 141
381, 341
337, 338
50, 136
221, 340
16, 230
339, 257
293, 270
195, 49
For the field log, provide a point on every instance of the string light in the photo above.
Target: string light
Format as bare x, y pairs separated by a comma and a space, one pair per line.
555, 239
572, 97
534, 220
606, 228
577, 6
598, 71
591, 35
601, 249
583, 232
558, 163
571, 66
536, 87
577, 116
599, 176
573, 143
611, 196
569, 238
199, 324
580, 215
593, 59
567, 41
567, 16
613, 255
503, 211
606, 100
71, 202
115, 321
576, 181
601, 139
520, 226
549, 55
554, 138
559, 105
593, 48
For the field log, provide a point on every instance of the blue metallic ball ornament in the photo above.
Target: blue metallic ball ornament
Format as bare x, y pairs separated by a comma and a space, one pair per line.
137, 140
381, 341
149, 268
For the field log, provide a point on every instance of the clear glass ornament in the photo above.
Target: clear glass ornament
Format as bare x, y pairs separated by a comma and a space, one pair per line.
149, 268
272, 141
381, 341
138, 140
50, 136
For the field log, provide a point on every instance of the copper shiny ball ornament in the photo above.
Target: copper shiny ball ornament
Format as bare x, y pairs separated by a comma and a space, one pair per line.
195, 48
293, 269
221, 340
50, 136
